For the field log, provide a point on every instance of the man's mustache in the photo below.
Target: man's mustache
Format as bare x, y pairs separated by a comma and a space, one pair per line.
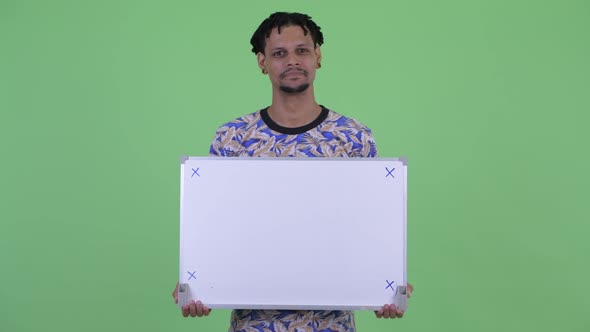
283, 74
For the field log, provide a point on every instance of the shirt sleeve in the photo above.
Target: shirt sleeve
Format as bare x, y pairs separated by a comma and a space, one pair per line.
216, 149
373, 152
225, 143
368, 148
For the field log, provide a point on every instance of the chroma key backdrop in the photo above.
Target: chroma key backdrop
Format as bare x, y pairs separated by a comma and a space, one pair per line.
488, 100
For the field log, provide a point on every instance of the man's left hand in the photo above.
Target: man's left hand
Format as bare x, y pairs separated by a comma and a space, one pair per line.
390, 311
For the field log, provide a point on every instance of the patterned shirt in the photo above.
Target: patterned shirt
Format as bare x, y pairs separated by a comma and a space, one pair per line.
257, 135
329, 135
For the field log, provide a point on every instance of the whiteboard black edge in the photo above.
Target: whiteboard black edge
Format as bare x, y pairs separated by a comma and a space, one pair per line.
291, 307
403, 160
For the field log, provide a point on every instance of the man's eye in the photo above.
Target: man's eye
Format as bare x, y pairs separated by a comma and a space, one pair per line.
303, 50
278, 53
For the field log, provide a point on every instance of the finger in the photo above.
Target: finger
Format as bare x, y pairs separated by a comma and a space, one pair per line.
386, 311
395, 312
193, 309
379, 313
185, 310
199, 306
392, 311
410, 290
206, 310
175, 294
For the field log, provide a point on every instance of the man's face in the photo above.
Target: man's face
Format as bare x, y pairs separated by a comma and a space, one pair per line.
290, 59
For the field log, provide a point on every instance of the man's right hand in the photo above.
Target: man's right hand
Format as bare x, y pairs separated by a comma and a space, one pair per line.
194, 309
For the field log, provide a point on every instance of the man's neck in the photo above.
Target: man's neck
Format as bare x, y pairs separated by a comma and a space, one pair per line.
294, 110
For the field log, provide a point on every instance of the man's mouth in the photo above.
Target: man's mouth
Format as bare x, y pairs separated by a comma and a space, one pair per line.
293, 72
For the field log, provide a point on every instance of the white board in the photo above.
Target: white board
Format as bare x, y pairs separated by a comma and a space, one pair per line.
293, 233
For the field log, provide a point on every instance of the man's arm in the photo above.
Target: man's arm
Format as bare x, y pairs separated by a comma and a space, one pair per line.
198, 309
370, 150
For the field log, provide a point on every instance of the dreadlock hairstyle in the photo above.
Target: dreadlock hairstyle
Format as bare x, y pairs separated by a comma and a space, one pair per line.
281, 19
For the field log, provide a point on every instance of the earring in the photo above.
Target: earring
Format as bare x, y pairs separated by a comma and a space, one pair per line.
264, 71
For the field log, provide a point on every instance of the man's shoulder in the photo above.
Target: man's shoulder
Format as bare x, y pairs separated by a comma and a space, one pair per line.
347, 123
241, 123
229, 137
357, 138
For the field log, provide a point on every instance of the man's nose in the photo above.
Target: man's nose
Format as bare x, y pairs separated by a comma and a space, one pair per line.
292, 59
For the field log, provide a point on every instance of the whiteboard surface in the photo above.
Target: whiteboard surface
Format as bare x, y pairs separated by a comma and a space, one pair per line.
293, 233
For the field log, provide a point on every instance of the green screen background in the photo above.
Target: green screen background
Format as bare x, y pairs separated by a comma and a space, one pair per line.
489, 100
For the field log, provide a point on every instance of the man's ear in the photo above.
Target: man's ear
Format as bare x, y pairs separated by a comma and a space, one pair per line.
318, 54
260, 58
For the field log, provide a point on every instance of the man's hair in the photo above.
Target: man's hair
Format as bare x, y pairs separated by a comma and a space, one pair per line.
281, 19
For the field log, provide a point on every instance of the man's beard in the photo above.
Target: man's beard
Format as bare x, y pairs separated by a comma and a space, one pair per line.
298, 89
